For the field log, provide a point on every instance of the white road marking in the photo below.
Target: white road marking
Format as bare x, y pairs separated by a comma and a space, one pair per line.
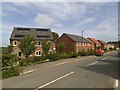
26, 72
116, 83
104, 58
92, 63
54, 80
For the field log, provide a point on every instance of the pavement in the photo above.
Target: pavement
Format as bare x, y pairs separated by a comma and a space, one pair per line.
82, 72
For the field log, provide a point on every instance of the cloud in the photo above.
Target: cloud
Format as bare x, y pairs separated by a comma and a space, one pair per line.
43, 20
86, 21
11, 7
104, 31
104, 26
61, 10
60, 1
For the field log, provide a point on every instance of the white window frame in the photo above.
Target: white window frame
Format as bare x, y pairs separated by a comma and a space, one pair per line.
77, 44
83, 44
37, 53
50, 51
21, 55
37, 43
54, 48
14, 43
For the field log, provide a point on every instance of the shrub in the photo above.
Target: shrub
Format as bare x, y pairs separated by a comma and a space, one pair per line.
32, 60
10, 72
9, 60
63, 55
87, 53
25, 62
53, 57
82, 54
73, 55
105, 50
37, 59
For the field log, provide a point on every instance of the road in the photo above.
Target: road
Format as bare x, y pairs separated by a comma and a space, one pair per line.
82, 72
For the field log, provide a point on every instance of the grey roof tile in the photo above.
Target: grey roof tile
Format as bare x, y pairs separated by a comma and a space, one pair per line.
37, 33
77, 38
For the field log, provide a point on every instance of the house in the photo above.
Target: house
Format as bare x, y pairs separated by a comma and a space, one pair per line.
113, 45
103, 44
110, 46
39, 35
73, 43
96, 43
92, 44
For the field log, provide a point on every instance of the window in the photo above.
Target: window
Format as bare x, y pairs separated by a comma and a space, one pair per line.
19, 36
19, 54
50, 51
45, 30
43, 36
14, 43
38, 43
23, 29
82, 44
77, 44
54, 48
37, 53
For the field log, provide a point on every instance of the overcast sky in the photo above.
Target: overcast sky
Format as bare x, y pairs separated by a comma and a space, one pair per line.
97, 19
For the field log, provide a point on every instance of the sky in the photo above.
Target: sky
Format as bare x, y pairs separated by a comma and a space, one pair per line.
97, 19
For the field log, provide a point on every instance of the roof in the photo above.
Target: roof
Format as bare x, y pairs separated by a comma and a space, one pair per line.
90, 41
94, 40
77, 38
102, 42
38, 33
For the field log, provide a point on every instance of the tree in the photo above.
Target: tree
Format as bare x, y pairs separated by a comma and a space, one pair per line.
55, 36
27, 45
61, 47
10, 48
45, 46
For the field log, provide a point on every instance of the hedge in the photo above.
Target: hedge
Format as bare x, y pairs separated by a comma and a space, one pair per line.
87, 53
9, 60
10, 72
10, 66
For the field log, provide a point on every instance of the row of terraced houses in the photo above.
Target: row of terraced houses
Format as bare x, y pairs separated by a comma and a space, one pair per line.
72, 43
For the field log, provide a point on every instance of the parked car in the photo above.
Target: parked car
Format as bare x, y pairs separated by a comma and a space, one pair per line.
99, 52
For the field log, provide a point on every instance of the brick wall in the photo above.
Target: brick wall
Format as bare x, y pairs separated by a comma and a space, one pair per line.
69, 44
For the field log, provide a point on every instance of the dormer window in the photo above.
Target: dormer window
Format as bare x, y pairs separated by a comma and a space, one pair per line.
14, 43
38, 43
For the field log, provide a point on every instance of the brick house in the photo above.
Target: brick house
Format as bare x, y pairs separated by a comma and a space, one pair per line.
39, 35
96, 43
92, 44
113, 45
73, 43
103, 44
